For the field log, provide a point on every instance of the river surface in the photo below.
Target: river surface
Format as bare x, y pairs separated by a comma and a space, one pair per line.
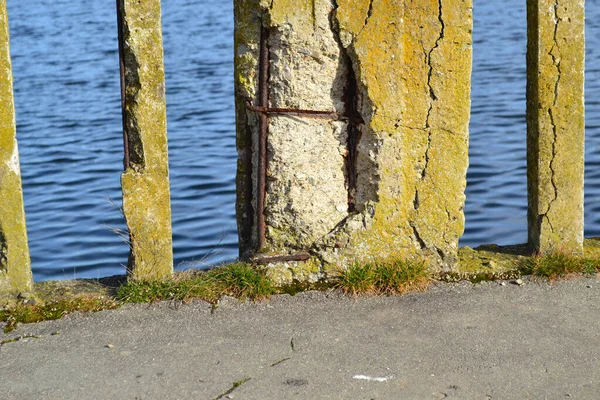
67, 96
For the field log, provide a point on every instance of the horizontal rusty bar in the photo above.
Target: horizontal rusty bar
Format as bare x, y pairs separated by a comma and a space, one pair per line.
307, 113
273, 259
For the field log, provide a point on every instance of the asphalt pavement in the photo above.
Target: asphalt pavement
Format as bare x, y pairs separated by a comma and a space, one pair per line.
492, 340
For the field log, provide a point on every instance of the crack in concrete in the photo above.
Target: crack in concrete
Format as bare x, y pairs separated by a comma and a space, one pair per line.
430, 73
3, 252
351, 99
367, 18
431, 91
416, 200
433, 98
369, 14
556, 61
314, 15
418, 236
424, 171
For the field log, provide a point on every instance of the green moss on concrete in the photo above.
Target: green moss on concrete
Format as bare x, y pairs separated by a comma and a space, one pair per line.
555, 124
146, 194
15, 265
147, 211
413, 62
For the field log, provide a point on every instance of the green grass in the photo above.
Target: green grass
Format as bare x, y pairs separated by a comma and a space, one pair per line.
243, 281
396, 277
239, 280
559, 265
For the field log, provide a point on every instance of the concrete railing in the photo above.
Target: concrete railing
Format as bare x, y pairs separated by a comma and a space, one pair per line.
352, 130
352, 126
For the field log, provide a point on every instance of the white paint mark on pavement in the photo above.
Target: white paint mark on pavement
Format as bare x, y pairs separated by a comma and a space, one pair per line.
373, 379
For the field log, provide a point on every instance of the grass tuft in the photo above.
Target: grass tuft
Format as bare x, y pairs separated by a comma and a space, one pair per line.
357, 279
243, 281
239, 280
24, 313
390, 278
559, 265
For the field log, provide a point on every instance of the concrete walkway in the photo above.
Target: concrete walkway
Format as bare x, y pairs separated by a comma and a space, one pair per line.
482, 341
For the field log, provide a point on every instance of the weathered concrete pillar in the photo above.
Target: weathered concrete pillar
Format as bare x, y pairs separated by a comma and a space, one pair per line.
555, 124
15, 266
368, 111
145, 182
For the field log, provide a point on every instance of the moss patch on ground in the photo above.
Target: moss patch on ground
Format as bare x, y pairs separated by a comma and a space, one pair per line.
56, 309
55, 299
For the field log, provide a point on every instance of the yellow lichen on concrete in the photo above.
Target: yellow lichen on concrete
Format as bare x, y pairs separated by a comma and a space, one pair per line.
287, 273
15, 265
556, 124
146, 194
383, 179
298, 14
147, 210
376, 55
413, 60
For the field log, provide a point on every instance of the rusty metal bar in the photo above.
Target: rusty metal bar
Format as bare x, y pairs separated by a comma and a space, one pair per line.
294, 111
126, 158
263, 124
275, 259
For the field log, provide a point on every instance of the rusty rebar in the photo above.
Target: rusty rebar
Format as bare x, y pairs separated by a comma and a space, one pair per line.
126, 157
275, 259
263, 127
295, 111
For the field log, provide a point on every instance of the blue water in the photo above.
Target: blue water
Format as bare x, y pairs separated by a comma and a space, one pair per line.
67, 95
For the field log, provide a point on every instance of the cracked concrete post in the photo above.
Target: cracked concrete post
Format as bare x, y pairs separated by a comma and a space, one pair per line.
382, 175
555, 124
145, 182
15, 265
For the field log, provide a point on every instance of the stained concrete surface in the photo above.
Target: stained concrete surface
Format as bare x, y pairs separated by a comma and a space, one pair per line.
465, 341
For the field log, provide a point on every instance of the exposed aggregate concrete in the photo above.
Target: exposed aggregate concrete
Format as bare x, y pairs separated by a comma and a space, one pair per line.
386, 178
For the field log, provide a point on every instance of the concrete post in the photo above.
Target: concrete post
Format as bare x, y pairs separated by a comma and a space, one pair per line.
145, 182
15, 265
555, 124
368, 114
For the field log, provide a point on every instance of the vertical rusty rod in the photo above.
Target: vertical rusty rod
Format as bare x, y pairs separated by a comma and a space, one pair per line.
126, 159
263, 126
